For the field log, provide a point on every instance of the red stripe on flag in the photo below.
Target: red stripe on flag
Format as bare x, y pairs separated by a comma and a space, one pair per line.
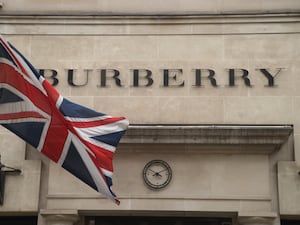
55, 139
51, 91
101, 157
58, 129
11, 77
20, 115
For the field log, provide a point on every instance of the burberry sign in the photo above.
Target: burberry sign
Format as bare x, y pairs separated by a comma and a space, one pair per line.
197, 77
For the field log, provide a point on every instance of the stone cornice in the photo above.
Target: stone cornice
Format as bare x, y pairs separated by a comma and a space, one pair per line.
273, 135
36, 24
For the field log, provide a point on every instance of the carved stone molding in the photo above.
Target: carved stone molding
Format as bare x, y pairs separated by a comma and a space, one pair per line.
259, 218
256, 221
59, 217
272, 135
95, 24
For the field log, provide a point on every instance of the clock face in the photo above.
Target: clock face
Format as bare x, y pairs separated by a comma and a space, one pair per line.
157, 174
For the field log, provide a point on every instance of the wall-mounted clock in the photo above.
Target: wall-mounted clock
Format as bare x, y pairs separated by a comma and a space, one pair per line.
157, 174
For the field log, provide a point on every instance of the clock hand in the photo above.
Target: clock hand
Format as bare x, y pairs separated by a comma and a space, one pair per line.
152, 171
162, 170
155, 174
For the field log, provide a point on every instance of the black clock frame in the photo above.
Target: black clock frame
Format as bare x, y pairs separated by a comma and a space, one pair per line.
160, 186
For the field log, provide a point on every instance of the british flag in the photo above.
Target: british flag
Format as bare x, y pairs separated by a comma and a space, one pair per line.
79, 139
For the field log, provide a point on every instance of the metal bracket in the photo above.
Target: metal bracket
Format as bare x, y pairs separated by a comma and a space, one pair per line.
3, 171
7, 169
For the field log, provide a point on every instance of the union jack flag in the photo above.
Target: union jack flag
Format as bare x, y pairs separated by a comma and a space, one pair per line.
79, 139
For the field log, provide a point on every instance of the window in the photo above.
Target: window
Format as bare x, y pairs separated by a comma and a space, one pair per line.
18, 220
126, 220
290, 222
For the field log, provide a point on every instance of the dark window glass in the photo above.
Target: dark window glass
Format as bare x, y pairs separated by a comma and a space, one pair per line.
18, 220
290, 222
121, 220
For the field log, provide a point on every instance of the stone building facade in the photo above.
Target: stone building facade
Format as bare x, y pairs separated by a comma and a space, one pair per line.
210, 87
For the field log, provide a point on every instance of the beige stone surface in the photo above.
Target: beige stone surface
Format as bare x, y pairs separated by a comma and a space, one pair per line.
296, 105
297, 146
61, 182
145, 7
12, 148
265, 47
62, 217
205, 175
202, 181
122, 53
258, 110
22, 190
288, 183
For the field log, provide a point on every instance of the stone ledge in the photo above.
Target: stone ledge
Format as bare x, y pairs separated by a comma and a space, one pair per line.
46, 212
274, 135
138, 19
54, 24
